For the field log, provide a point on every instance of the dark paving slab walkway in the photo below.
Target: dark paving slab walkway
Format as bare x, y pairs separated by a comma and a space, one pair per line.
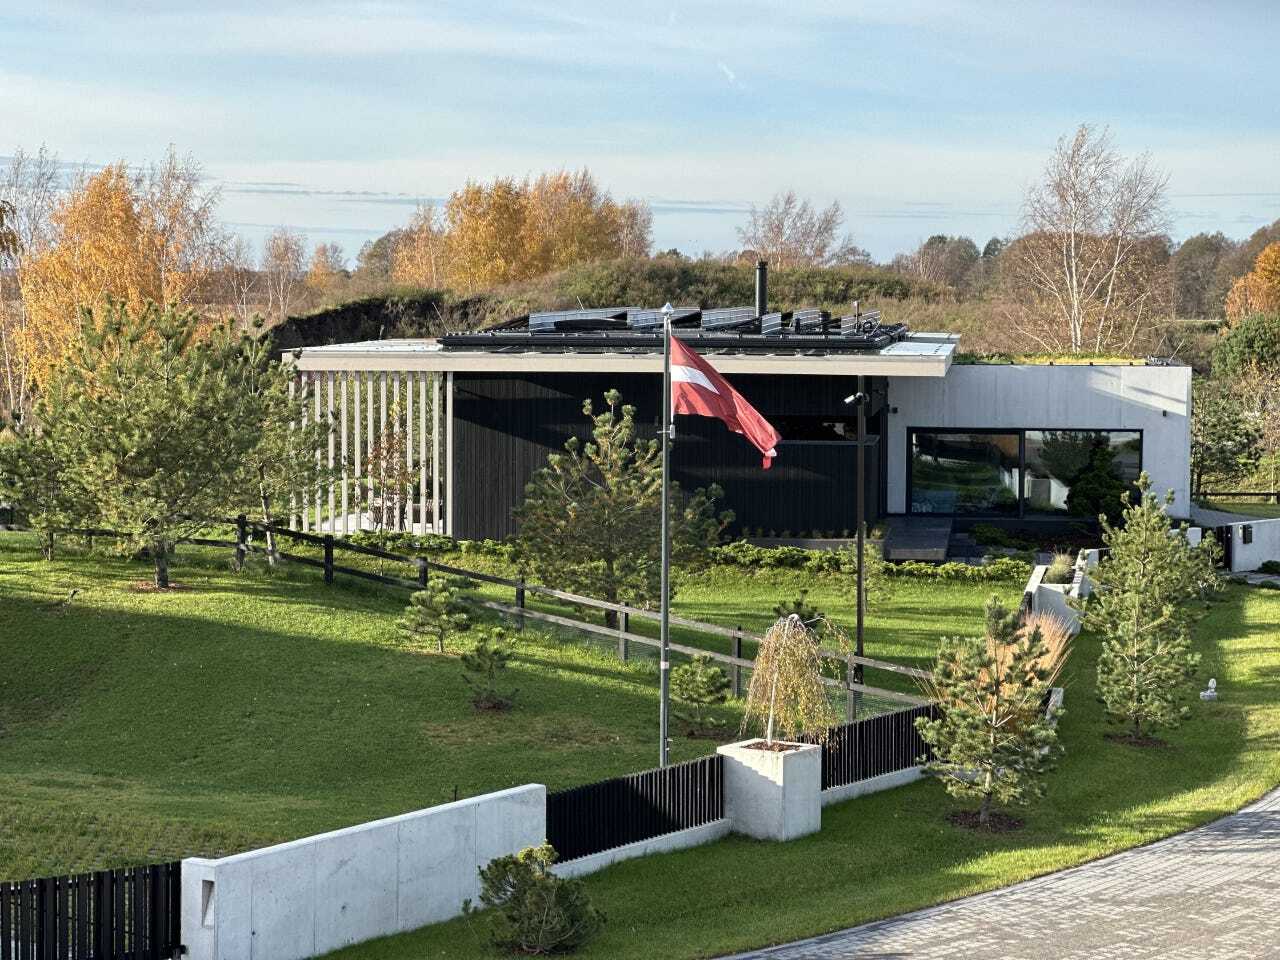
1212, 892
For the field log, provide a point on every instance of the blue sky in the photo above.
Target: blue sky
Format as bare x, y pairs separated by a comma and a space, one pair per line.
919, 117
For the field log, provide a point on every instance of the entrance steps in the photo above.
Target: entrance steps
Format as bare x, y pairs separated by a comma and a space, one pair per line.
917, 538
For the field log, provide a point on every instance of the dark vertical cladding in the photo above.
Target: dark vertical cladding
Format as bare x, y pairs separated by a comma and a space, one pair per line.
762, 288
508, 424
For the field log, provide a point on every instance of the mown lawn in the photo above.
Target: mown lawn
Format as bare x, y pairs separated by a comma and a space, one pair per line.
244, 709
892, 852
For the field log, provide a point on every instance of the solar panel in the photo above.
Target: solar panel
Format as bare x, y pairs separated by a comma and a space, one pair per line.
771, 324
652, 319
860, 325
551, 320
809, 321
726, 318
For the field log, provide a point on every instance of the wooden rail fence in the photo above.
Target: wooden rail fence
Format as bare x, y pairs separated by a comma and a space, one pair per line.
520, 611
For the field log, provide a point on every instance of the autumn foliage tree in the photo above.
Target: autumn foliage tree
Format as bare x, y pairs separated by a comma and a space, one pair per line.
1259, 290
129, 236
507, 230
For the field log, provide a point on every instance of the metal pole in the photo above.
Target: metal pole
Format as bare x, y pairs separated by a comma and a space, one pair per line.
664, 666
853, 672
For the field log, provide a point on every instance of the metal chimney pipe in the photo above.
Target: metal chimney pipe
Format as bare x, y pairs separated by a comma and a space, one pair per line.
762, 288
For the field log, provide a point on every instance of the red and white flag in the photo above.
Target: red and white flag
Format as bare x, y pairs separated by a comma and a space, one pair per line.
698, 390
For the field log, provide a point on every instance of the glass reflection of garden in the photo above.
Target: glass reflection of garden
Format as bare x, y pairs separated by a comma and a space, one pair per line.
1062, 473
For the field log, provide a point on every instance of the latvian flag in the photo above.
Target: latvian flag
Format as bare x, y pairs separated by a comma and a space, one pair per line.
699, 391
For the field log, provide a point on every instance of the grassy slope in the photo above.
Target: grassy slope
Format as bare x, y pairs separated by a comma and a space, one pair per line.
246, 710
884, 854
1266, 511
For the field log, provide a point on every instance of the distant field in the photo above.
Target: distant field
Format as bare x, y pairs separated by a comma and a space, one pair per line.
244, 709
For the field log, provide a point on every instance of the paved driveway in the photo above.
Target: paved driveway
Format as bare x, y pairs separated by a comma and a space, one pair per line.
1212, 892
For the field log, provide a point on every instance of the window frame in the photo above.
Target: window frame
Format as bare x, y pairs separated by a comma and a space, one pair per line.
1021, 432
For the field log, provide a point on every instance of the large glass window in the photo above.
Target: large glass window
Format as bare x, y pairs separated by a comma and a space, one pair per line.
964, 472
1079, 472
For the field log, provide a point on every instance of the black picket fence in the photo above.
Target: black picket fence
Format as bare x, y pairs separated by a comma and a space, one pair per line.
612, 813
875, 746
132, 913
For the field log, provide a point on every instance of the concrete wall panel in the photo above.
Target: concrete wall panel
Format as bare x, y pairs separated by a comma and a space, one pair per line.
1156, 400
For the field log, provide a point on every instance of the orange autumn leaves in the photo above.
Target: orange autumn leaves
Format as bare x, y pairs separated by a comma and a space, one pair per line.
1259, 290
507, 230
131, 237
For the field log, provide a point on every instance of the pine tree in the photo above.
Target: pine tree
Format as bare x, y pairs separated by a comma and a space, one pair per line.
590, 519
801, 607
147, 422
700, 684
991, 740
434, 613
1145, 593
483, 665
875, 574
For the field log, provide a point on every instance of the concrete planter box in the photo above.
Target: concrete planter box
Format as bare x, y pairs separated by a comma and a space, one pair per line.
773, 795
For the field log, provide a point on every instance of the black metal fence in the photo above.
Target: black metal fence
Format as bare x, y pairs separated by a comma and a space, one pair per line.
613, 813
874, 746
128, 914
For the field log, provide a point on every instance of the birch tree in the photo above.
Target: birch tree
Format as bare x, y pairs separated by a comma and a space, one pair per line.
790, 232
283, 270
1081, 276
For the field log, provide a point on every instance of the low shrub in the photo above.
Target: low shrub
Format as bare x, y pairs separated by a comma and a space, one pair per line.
1270, 585
1270, 566
535, 912
1003, 569
989, 535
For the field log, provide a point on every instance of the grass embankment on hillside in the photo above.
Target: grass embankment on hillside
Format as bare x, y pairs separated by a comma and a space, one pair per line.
1263, 511
892, 852
244, 709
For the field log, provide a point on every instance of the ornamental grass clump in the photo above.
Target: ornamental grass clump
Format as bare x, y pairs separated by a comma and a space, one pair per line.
786, 696
992, 740
1062, 569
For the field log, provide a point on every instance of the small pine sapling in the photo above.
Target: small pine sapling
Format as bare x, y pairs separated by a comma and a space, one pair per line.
434, 613
535, 912
699, 684
1146, 592
483, 666
800, 607
992, 740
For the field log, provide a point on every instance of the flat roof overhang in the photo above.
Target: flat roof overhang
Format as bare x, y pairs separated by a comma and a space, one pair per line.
919, 355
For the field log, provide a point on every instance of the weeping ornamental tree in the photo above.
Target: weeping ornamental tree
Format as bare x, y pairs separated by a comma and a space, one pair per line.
590, 518
991, 740
786, 697
1143, 604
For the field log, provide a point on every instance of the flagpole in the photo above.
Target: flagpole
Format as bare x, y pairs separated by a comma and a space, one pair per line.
664, 666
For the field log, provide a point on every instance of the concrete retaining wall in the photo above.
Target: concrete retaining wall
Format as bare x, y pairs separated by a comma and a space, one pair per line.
1265, 535
310, 896
886, 781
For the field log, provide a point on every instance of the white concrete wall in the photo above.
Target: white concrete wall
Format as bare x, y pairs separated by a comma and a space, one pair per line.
310, 896
1156, 400
1265, 545
886, 781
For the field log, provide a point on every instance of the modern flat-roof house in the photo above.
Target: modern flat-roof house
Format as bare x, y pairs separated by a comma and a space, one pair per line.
966, 441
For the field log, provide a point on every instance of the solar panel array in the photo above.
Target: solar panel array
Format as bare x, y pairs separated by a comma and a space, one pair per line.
737, 328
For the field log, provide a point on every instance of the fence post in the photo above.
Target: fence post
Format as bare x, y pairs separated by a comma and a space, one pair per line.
850, 699
242, 540
328, 558
520, 603
424, 572
624, 626
737, 668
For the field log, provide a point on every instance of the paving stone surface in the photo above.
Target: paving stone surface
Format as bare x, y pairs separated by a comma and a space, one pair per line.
1213, 892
